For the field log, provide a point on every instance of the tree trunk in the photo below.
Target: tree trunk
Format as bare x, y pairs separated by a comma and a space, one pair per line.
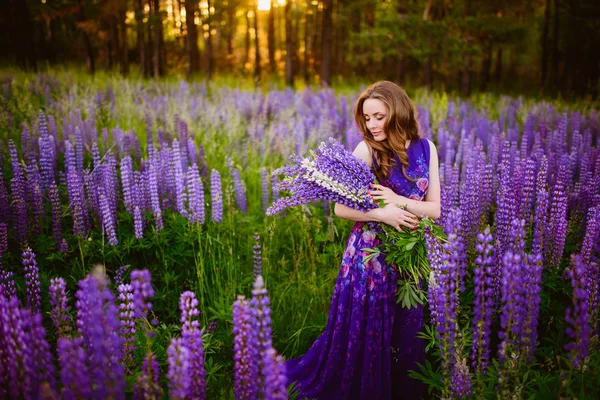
230, 34
157, 39
465, 80
257, 71
486, 67
498, 71
306, 59
141, 36
545, 44
289, 46
400, 68
428, 72
327, 38
247, 37
554, 64
87, 44
209, 44
191, 37
124, 48
271, 38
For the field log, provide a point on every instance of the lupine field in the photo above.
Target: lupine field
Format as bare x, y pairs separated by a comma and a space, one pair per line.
136, 258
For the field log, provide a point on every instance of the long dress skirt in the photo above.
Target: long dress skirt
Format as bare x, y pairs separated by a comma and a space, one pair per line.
370, 342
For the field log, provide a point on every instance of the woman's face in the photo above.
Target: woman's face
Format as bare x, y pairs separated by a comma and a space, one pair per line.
375, 113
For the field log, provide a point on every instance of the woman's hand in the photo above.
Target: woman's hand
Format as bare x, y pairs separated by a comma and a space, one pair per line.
397, 217
379, 192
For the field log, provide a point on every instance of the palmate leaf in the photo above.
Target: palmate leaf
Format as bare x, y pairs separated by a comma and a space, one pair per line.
407, 250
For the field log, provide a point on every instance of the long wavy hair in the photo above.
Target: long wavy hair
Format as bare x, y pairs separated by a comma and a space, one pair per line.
400, 126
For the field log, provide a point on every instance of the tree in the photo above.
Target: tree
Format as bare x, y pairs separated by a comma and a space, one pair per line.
191, 41
289, 45
271, 38
326, 43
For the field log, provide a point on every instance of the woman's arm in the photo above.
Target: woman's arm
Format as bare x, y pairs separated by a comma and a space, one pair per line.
393, 216
431, 205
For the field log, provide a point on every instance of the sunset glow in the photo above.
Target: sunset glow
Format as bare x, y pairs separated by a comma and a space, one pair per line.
265, 5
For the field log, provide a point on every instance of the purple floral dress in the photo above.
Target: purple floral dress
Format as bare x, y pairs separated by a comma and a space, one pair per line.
370, 342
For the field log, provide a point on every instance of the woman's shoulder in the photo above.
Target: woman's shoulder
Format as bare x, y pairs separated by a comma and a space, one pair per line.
364, 152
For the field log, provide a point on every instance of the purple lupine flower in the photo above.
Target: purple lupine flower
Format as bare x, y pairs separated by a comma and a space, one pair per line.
212, 326
514, 311
60, 307
119, 273
245, 348
505, 213
127, 182
35, 197
533, 286
262, 312
147, 386
541, 209
192, 340
191, 151
56, 214
98, 325
447, 279
126, 317
240, 191
460, 381
153, 192
41, 363
275, 187
18, 190
180, 379
7, 284
434, 256
265, 188
110, 180
216, 194
275, 376
32, 280
260, 303
257, 256
142, 292
487, 181
557, 227
26, 358
469, 204
331, 173
592, 234
528, 190
47, 153
74, 373
78, 149
482, 312
69, 157
196, 212
138, 223
180, 195
12, 345
444, 293
108, 218
77, 204
577, 316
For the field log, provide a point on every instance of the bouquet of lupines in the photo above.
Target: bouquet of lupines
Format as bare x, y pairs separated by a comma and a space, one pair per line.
332, 173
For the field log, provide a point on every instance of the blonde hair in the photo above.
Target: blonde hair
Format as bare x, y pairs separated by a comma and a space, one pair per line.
400, 126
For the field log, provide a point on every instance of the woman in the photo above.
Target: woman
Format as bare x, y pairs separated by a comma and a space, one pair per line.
370, 342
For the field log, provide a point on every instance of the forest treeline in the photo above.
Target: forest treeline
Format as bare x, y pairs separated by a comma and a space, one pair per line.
464, 45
